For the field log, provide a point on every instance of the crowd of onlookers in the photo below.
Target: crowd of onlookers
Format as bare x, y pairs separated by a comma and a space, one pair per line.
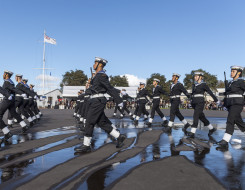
164, 104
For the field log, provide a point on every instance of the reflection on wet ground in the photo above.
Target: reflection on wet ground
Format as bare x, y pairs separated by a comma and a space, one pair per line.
227, 166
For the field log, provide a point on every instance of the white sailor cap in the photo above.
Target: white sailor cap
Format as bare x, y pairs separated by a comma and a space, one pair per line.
9, 72
235, 67
156, 80
141, 83
198, 73
31, 85
19, 75
176, 74
101, 60
25, 80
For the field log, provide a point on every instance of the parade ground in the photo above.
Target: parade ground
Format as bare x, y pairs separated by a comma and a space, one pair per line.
150, 158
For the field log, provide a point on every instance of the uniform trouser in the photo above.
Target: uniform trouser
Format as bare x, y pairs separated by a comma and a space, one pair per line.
36, 107
19, 102
174, 110
117, 108
124, 108
96, 115
142, 110
80, 108
32, 106
155, 108
198, 114
234, 117
27, 107
8, 104
136, 109
77, 107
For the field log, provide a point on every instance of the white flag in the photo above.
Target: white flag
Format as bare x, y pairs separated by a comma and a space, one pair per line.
49, 40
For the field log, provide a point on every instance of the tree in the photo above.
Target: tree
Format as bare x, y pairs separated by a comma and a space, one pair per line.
163, 83
74, 78
221, 84
119, 81
210, 79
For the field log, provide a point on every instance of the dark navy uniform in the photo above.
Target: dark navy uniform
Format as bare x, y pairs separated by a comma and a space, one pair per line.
116, 105
125, 98
96, 115
198, 103
234, 102
175, 92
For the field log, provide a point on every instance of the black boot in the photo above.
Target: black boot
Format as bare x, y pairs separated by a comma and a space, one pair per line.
131, 117
121, 117
114, 115
165, 123
211, 131
184, 129
168, 130
145, 119
10, 126
24, 129
223, 144
83, 149
136, 122
31, 123
191, 135
148, 123
6, 138
120, 140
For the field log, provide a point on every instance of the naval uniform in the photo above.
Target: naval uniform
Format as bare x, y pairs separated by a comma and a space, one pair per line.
96, 115
157, 91
175, 92
8, 85
234, 102
6, 95
125, 98
143, 93
198, 103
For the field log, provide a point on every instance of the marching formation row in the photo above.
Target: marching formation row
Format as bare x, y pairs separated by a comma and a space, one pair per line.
20, 101
91, 104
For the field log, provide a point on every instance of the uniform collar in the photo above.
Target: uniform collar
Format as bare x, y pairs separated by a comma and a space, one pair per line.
237, 79
196, 83
10, 81
101, 71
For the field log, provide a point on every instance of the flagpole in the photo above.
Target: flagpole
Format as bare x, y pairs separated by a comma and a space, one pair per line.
43, 59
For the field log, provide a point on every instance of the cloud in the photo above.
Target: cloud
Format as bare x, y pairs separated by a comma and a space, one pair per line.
134, 80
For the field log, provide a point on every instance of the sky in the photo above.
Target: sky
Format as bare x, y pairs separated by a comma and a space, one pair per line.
137, 37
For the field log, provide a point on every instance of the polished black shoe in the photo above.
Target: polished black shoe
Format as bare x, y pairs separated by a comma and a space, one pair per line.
120, 140
148, 124
165, 123
211, 131
31, 124
24, 129
131, 117
145, 119
136, 122
121, 117
223, 144
83, 149
8, 136
190, 135
114, 115
184, 129
10, 126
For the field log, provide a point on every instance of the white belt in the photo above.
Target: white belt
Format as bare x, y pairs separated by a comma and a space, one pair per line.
97, 96
234, 96
82, 101
156, 97
17, 95
87, 96
124, 100
198, 95
26, 98
143, 98
176, 96
78, 100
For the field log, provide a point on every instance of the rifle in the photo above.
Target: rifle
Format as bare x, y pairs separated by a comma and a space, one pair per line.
91, 72
226, 82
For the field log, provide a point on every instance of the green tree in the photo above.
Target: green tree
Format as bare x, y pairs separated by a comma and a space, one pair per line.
74, 78
163, 83
119, 81
210, 79
221, 84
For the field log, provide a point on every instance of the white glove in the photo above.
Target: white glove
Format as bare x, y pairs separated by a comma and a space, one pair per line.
10, 97
120, 105
24, 95
35, 97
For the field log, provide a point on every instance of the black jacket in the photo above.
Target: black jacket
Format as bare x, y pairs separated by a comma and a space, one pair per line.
143, 93
177, 89
8, 85
201, 88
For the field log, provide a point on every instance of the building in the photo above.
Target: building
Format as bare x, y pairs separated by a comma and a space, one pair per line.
51, 99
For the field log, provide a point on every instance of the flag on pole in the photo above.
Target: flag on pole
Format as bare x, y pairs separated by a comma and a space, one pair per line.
49, 40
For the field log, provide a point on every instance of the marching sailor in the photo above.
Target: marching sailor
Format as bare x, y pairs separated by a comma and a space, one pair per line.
143, 93
157, 91
125, 98
198, 103
234, 102
176, 89
8, 85
96, 115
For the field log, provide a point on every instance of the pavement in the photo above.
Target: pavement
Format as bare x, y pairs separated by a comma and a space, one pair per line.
45, 158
